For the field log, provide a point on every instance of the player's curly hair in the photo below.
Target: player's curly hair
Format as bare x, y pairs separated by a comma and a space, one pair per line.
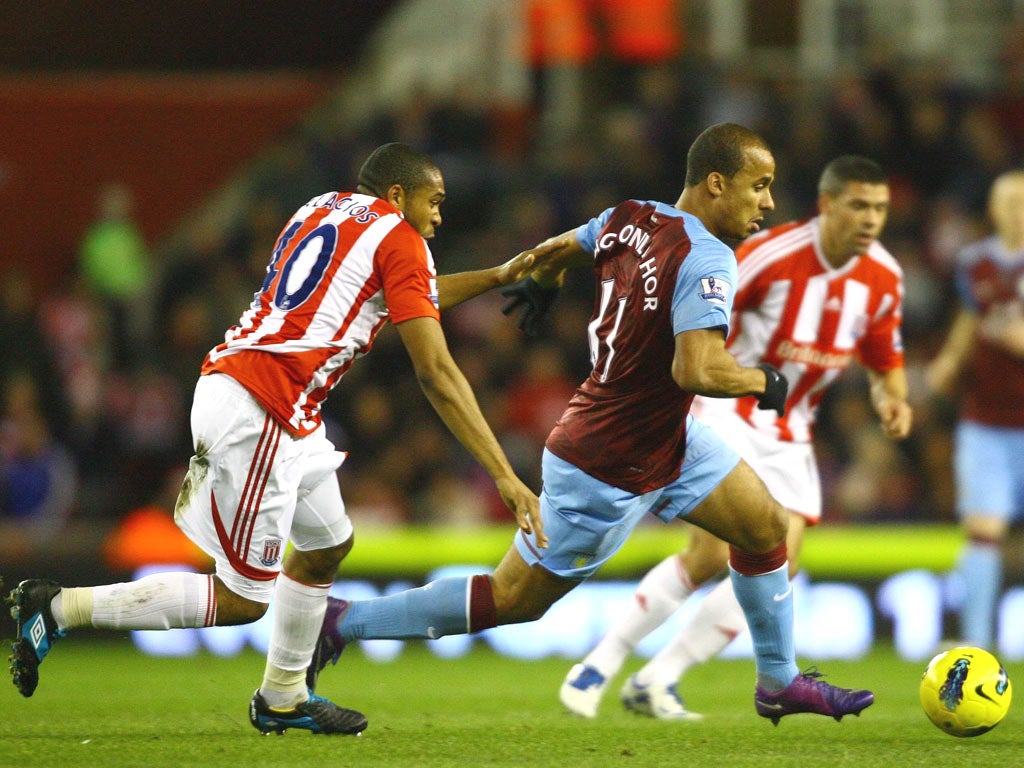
720, 149
846, 168
395, 163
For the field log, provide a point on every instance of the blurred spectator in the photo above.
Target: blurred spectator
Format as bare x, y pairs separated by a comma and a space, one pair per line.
148, 427
536, 399
115, 264
637, 35
859, 122
38, 479
930, 142
987, 152
739, 98
26, 350
1008, 99
561, 41
75, 328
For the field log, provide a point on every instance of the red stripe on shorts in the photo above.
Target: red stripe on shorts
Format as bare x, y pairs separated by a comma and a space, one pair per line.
255, 484
238, 563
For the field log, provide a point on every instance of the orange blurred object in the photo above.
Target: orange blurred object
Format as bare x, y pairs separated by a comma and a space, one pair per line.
148, 536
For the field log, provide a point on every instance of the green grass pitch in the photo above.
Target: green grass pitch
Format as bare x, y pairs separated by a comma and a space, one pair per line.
102, 703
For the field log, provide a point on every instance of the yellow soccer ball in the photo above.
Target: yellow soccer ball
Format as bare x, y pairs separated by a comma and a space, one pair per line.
965, 691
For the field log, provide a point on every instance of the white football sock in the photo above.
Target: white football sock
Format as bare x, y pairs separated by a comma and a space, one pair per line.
717, 620
298, 615
661, 591
160, 601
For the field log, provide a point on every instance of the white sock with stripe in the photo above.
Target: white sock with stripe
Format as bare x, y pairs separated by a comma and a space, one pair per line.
717, 620
159, 601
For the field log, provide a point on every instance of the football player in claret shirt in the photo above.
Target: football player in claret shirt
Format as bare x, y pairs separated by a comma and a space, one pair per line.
985, 351
264, 472
626, 447
812, 297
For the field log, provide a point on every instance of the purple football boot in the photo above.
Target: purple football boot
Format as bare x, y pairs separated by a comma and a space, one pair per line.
809, 693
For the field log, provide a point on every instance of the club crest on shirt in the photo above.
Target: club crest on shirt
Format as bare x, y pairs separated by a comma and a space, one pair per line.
713, 289
271, 552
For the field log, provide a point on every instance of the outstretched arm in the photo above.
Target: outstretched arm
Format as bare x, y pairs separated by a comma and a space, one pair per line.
889, 398
451, 396
556, 255
461, 286
537, 292
545, 263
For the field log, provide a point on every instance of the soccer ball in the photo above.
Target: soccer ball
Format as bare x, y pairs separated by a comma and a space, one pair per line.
965, 691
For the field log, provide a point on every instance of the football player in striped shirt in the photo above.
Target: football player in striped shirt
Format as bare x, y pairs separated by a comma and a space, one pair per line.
812, 297
264, 472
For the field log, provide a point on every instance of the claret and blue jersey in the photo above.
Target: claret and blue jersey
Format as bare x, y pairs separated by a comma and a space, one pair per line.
659, 273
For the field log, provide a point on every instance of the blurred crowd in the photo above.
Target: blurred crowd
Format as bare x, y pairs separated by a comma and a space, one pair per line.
98, 373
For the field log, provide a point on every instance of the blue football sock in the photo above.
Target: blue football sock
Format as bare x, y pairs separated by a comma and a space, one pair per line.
767, 602
981, 568
431, 611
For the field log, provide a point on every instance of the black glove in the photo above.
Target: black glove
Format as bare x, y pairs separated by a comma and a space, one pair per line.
537, 299
775, 390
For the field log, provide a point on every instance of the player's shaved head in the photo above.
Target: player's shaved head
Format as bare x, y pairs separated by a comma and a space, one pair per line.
1011, 182
395, 163
720, 149
1006, 208
846, 168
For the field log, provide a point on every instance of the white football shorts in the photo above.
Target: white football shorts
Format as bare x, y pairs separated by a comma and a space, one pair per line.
790, 470
252, 487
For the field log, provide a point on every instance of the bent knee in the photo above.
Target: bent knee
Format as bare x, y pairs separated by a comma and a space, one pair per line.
515, 606
517, 601
770, 530
522, 592
317, 566
776, 526
234, 609
779, 523
252, 611
239, 610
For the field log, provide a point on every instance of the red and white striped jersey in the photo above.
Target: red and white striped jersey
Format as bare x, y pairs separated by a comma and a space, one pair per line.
792, 309
344, 264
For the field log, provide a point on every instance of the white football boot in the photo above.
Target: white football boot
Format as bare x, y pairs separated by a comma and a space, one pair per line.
658, 701
582, 689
